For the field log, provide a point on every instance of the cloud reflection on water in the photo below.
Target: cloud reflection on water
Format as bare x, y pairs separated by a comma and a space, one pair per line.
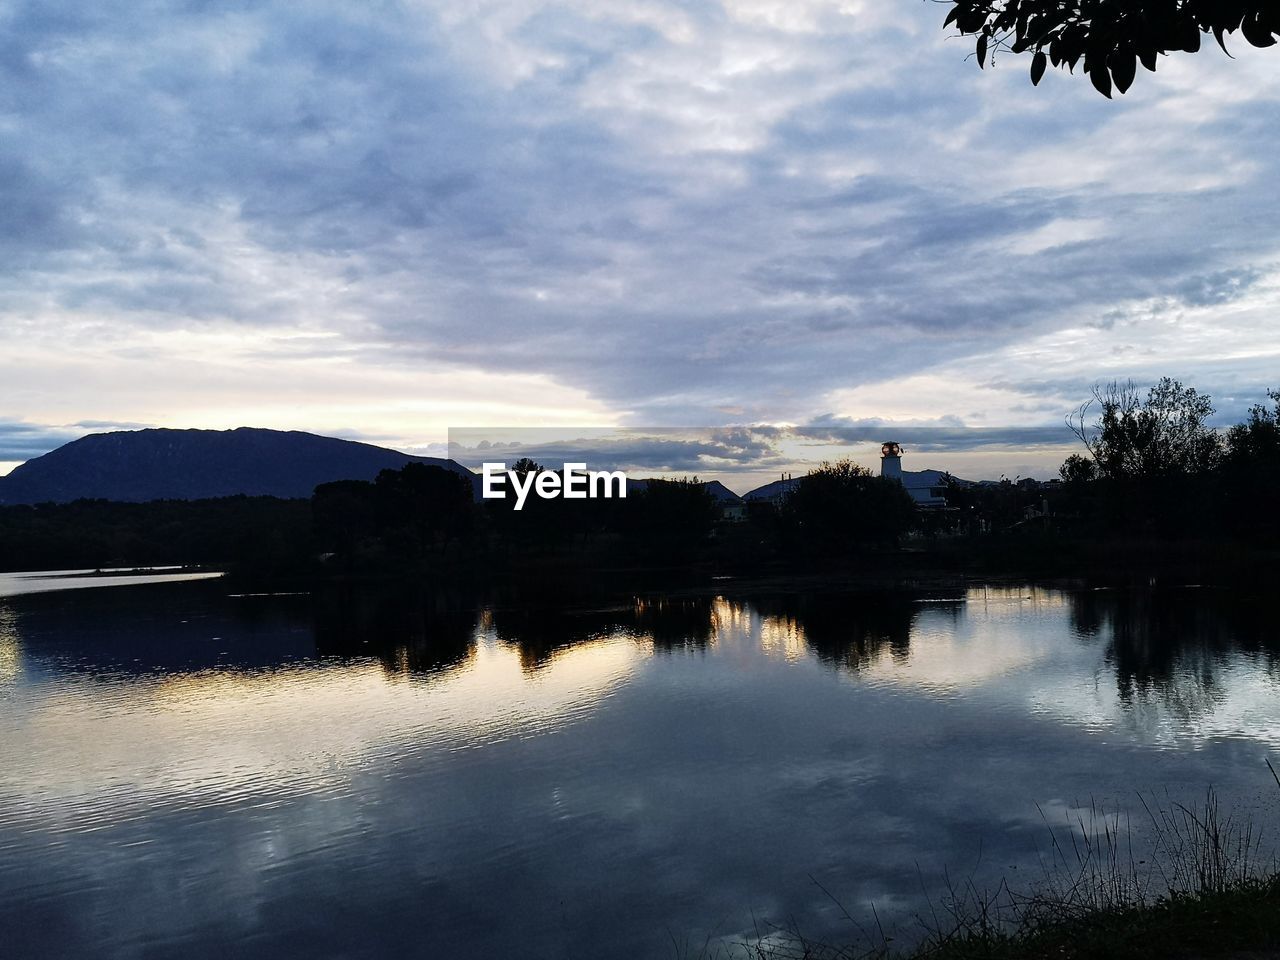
673, 758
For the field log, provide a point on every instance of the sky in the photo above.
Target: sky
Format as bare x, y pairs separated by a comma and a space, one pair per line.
383, 221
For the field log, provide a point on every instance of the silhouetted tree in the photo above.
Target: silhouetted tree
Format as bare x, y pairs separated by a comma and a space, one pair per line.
1078, 474
261, 535
1250, 469
1257, 440
430, 504
540, 524
403, 515
526, 465
1109, 38
1165, 435
988, 507
1077, 470
1152, 461
841, 506
344, 514
668, 519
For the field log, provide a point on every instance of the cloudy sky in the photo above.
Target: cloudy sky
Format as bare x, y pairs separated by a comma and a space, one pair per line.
381, 221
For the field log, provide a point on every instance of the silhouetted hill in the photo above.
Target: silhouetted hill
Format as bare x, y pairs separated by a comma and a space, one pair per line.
721, 493
774, 490
160, 464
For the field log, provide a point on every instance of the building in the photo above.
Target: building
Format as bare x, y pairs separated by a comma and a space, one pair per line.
926, 487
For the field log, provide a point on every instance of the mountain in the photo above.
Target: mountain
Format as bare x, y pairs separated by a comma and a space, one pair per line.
775, 491
720, 493
161, 464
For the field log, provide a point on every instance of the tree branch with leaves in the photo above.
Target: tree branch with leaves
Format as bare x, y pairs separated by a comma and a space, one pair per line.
1108, 38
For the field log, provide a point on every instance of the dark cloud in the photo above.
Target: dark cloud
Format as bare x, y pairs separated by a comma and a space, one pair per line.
1221, 287
937, 437
711, 450
22, 441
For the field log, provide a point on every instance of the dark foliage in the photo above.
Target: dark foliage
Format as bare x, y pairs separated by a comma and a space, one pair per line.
669, 520
403, 516
1108, 38
1250, 469
541, 525
259, 535
842, 507
987, 508
1153, 464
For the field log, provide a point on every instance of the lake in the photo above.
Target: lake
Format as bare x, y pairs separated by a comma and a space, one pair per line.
190, 770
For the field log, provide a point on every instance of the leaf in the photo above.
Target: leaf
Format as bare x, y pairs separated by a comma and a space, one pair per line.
982, 49
1257, 32
1037, 27
1072, 50
1100, 78
1190, 36
1123, 68
1148, 57
1038, 64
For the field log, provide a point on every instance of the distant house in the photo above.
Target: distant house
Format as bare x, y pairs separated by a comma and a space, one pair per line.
926, 487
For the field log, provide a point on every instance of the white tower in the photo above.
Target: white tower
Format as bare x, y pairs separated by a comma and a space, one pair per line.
891, 460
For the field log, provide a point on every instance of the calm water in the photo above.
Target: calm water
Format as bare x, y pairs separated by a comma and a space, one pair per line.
184, 772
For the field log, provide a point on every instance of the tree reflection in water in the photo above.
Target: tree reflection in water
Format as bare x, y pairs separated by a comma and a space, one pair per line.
410, 632
844, 629
1172, 644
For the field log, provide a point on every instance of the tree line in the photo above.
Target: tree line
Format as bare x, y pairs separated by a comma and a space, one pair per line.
256, 535
421, 513
427, 517
1151, 465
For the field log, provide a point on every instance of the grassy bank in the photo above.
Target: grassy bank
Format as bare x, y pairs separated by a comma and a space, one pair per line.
1202, 887
1243, 918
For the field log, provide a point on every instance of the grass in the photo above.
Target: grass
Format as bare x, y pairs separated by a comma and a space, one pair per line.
1244, 916
1202, 888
